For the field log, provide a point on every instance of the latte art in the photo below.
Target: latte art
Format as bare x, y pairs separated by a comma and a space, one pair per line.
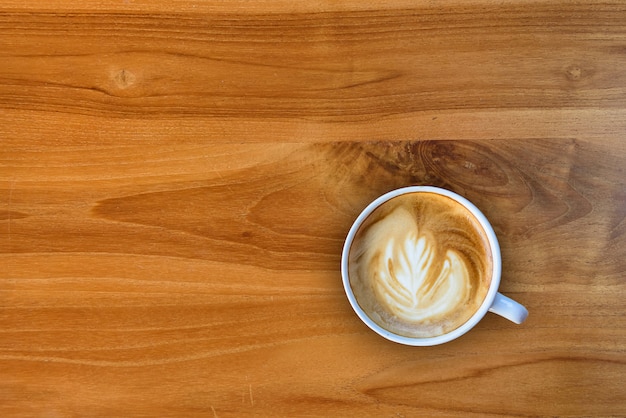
412, 287
420, 265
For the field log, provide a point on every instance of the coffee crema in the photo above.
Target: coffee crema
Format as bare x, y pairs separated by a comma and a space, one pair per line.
420, 265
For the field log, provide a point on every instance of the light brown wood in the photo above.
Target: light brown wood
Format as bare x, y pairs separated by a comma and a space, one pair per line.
177, 179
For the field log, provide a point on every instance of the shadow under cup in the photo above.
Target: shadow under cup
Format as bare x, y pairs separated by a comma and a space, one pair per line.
421, 266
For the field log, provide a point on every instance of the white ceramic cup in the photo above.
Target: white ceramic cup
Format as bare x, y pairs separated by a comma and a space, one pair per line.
494, 302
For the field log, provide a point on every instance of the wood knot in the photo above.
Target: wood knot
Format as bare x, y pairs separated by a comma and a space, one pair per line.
124, 79
574, 73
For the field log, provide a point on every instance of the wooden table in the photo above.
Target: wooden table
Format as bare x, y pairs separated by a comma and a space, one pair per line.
177, 179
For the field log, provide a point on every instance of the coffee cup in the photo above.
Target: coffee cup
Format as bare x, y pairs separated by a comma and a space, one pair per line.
421, 266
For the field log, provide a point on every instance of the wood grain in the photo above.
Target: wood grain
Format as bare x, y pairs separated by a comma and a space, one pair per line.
176, 181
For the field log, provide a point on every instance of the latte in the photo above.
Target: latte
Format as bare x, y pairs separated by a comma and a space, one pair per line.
420, 265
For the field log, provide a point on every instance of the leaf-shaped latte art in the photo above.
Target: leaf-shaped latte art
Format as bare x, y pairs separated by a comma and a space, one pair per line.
416, 283
420, 265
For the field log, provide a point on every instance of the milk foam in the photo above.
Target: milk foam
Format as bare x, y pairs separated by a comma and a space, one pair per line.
410, 283
418, 266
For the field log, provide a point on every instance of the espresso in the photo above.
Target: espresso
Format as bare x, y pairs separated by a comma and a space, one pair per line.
420, 265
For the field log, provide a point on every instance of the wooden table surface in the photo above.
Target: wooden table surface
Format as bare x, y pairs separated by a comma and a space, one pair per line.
177, 179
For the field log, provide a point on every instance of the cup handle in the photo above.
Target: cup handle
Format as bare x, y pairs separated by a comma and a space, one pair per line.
509, 309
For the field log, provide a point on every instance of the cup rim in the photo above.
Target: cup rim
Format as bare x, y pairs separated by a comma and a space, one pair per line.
491, 293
